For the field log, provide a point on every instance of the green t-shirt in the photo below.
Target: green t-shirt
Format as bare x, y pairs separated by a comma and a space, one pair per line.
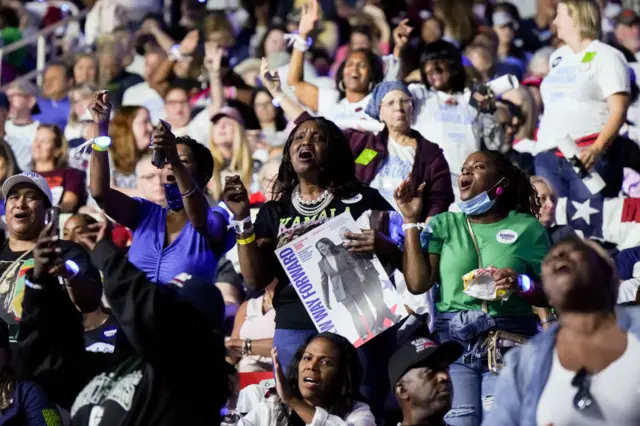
519, 241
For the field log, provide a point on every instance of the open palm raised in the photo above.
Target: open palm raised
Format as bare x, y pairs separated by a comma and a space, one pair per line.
309, 18
409, 201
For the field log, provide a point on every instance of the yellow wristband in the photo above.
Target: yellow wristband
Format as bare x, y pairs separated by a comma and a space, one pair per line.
97, 147
247, 240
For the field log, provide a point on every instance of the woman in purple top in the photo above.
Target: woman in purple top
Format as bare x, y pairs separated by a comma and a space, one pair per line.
188, 235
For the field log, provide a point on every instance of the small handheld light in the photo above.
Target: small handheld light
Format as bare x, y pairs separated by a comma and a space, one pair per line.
525, 284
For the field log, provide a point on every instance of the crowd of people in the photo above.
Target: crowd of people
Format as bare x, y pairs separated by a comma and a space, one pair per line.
149, 182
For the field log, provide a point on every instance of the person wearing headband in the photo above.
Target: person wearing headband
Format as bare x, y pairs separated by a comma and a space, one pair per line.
496, 235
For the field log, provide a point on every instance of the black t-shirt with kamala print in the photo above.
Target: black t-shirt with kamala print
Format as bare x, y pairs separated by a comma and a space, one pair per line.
280, 221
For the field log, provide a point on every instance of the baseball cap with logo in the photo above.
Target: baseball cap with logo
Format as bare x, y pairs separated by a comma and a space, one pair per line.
627, 17
30, 178
420, 352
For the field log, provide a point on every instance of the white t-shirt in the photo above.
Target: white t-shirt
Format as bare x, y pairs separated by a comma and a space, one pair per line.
448, 121
576, 89
20, 139
395, 169
331, 107
199, 128
615, 390
142, 95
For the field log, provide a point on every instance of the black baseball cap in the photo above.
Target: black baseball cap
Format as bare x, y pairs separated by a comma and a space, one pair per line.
420, 352
627, 17
202, 295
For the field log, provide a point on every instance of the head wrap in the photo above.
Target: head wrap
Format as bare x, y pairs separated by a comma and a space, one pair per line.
379, 92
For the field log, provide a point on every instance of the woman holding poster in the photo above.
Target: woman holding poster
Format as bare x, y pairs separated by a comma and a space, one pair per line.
316, 182
339, 267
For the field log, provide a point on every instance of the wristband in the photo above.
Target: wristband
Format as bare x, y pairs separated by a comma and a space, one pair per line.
298, 42
246, 347
277, 100
241, 226
101, 143
32, 285
406, 226
246, 241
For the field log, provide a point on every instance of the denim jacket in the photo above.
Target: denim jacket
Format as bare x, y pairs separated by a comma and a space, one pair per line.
526, 372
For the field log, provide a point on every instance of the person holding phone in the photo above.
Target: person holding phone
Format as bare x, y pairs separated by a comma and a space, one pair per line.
183, 235
27, 200
147, 380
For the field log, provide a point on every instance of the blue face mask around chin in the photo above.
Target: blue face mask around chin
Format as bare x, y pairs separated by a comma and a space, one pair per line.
479, 204
173, 196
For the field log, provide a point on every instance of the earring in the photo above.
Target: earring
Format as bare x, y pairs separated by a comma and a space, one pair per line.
341, 86
499, 190
370, 86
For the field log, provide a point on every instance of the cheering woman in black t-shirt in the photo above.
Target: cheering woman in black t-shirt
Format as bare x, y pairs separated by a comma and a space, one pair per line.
316, 182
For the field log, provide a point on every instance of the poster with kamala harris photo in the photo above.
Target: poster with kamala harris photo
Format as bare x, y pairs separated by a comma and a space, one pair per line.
343, 293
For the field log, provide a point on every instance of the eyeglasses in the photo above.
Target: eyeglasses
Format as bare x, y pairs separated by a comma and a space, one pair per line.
403, 102
583, 401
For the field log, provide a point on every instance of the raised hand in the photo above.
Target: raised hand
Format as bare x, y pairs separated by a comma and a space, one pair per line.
96, 232
189, 43
236, 197
284, 390
100, 108
409, 202
46, 255
401, 34
270, 79
213, 54
310, 14
165, 141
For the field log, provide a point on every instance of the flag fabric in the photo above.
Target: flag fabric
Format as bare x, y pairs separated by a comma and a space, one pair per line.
614, 220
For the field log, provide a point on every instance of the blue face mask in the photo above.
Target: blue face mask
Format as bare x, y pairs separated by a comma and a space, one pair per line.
173, 196
479, 204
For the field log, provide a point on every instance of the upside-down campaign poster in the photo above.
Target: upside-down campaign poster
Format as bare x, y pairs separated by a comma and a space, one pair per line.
344, 293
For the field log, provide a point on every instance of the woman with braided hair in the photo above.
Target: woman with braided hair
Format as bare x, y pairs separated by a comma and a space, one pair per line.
498, 236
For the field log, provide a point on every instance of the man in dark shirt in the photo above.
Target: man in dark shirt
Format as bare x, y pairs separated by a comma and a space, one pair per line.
536, 32
27, 197
419, 375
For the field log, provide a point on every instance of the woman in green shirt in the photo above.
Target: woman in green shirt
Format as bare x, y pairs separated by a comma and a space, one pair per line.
497, 228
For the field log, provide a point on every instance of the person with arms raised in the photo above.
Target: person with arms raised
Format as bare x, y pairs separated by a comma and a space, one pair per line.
148, 380
315, 183
496, 236
188, 235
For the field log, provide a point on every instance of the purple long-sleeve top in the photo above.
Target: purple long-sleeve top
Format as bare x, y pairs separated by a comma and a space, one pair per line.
191, 252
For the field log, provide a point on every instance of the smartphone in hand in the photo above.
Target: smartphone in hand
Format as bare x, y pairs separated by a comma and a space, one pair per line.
53, 216
166, 126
